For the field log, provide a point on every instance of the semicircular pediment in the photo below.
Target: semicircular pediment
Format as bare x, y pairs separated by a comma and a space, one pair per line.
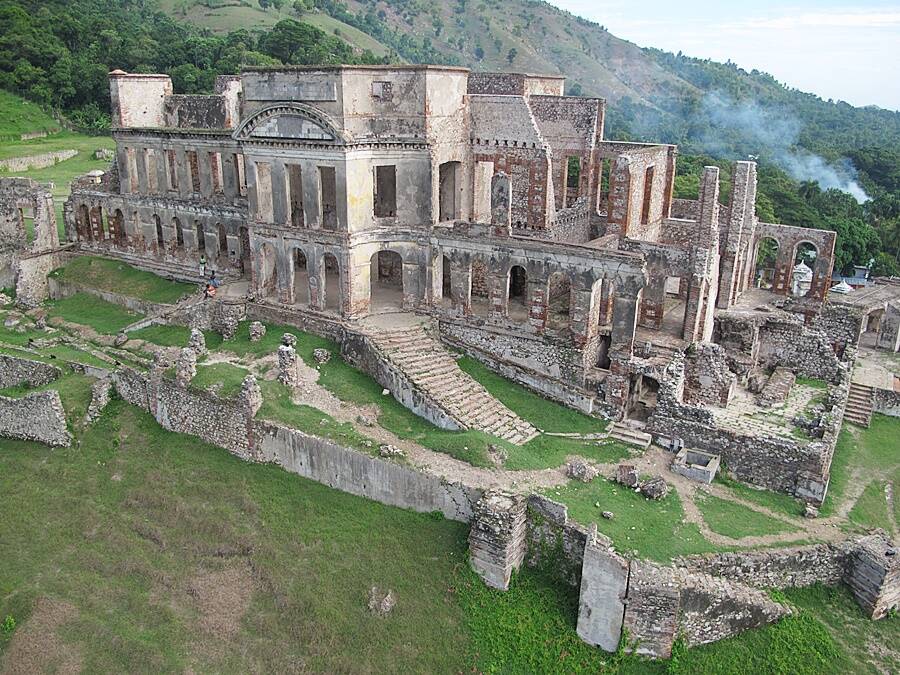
292, 122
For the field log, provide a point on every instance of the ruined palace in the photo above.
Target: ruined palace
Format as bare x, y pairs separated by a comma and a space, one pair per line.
490, 205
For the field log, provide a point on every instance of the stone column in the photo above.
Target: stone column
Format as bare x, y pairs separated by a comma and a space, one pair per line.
205, 169
143, 178
162, 177
124, 169
288, 363
185, 367
461, 290
229, 176
279, 193
185, 189
497, 537
582, 329
537, 304
624, 320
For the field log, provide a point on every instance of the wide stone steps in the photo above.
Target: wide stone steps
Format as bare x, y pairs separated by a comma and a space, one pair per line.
860, 403
435, 372
625, 434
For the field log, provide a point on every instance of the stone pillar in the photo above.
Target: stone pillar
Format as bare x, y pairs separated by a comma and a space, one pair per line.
624, 320
874, 575
497, 537
197, 342
498, 289
250, 396
606, 302
229, 176
185, 367
537, 305
143, 179
582, 329
185, 189
501, 204
653, 302
279, 193
288, 364
461, 290
601, 601
740, 219
124, 169
257, 331
205, 170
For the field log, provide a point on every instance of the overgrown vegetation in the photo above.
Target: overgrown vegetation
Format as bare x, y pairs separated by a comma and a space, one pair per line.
736, 521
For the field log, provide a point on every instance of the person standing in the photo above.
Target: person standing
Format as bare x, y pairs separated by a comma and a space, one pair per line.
202, 265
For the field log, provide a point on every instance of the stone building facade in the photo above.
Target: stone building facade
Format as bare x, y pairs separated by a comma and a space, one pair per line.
489, 201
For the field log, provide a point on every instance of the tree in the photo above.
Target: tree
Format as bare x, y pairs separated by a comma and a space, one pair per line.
511, 55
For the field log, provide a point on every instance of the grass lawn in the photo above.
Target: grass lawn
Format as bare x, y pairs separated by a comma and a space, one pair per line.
774, 501
871, 509
18, 116
89, 310
859, 449
278, 407
733, 520
223, 378
117, 277
162, 553
655, 529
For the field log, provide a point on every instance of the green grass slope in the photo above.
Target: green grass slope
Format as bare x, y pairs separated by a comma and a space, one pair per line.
18, 116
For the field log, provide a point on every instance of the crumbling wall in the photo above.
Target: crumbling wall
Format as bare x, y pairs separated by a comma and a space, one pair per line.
15, 371
24, 263
552, 540
793, 567
886, 402
38, 416
708, 381
196, 112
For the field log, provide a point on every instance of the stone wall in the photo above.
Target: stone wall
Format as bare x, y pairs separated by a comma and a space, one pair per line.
360, 351
38, 416
354, 472
40, 161
886, 402
792, 567
15, 371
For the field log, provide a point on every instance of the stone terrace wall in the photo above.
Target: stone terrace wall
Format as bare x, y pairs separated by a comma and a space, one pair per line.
40, 161
38, 416
776, 568
222, 422
15, 371
360, 474
64, 288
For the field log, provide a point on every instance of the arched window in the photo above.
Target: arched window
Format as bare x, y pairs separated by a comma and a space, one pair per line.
386, 281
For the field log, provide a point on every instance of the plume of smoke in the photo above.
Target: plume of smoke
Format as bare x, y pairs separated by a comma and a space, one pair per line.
775, 136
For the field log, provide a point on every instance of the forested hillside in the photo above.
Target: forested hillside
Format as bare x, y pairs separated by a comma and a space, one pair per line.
823, 163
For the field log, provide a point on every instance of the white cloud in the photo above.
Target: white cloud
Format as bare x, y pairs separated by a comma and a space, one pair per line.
839, 19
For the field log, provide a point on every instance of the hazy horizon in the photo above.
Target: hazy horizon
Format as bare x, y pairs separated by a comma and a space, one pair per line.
834, 49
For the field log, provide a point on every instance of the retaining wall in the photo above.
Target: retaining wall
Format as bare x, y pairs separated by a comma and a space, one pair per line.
64, 288
40, 161
886, 402
38, 416
15, 371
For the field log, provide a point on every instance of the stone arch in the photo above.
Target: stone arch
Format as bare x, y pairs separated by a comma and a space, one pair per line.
765, 271
295, 121
559, 301
517, 293
300, 264
386, 281
332, 273
804, 263
267, 265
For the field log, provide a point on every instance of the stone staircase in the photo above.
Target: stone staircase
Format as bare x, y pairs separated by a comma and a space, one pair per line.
620, 431
434, 371
859, 405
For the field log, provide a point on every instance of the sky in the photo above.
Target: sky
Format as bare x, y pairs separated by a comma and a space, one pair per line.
834, 48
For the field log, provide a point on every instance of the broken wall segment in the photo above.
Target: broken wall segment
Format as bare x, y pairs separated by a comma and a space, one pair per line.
38, 416
15, 371
497, 537
601, 601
